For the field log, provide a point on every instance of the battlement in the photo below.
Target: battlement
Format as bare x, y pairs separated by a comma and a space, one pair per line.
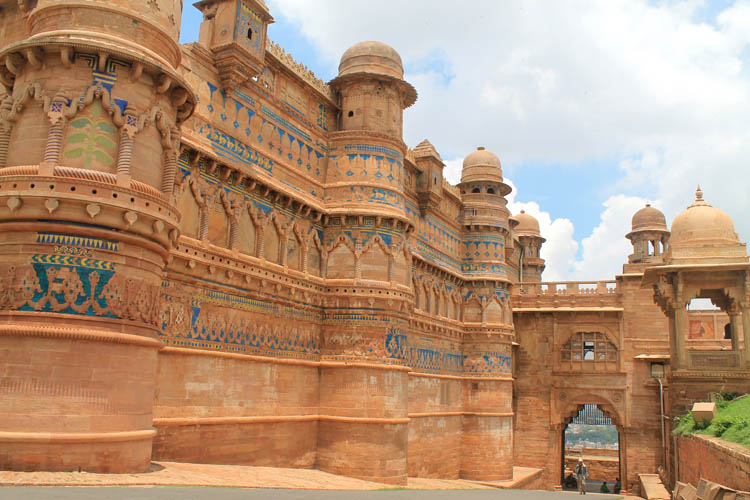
298, 68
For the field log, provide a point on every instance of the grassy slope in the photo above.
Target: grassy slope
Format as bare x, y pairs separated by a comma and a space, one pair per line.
732, 422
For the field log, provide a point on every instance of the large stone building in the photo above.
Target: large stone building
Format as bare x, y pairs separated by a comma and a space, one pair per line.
209, 255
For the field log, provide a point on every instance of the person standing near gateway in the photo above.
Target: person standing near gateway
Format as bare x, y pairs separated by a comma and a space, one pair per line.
581, 474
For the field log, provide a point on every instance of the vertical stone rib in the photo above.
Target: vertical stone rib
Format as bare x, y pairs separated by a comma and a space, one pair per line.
170, 170
203, 229
125, 154
54, 142
4, 144
170, 163
233, 228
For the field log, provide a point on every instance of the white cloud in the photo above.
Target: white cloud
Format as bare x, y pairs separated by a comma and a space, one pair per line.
662, 97
606, 246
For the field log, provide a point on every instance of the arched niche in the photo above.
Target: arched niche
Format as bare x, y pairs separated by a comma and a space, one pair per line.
293, 251
247, 233
272, 243
313, 258
218, 222
29, 136
400, 267
494, 312
418, 294
374, 261
428, 306
473, 311
147, 152
341, 261
189, 208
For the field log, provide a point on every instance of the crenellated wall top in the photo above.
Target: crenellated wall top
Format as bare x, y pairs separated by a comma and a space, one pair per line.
299, 69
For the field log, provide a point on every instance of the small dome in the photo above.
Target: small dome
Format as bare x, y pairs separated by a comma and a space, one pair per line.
526, 225
702, 223
371, 57
481, 165
649, 219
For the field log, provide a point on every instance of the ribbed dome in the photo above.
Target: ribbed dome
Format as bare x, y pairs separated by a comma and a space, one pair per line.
371, 57
649, 218
526, 225
481, 165
702, 223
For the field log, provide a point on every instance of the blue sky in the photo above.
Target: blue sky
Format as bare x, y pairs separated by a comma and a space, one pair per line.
593, 107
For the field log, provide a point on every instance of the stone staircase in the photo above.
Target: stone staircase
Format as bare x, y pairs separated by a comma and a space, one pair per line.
708, 490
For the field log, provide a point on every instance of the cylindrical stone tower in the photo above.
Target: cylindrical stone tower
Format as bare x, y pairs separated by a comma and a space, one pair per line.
89, 134
363, 381
488, 321
530, 264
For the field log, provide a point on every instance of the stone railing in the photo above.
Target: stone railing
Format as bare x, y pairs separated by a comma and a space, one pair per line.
565, 294
566, 288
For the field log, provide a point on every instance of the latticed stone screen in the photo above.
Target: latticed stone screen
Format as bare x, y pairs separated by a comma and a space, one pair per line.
588, 351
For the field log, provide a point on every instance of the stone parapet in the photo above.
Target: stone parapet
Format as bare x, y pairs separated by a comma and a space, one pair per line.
713, 459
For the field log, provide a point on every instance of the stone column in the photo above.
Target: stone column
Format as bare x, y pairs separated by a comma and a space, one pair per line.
5, 129
487, 451
170, 162
125, 152
623, 445
680, 332
56, 115
735, 326
745, 308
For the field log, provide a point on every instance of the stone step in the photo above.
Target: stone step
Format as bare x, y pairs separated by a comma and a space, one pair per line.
652, 487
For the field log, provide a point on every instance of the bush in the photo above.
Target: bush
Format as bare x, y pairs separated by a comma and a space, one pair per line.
685, 425
720, 425
732, 422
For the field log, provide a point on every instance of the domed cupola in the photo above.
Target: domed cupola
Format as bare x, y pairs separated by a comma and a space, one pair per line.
649, 236
483, 191
526, 225
526, 231
371, 89
703, 234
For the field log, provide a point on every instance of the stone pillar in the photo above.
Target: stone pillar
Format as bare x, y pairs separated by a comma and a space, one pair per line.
735, 326
170, 163
745, 308
487, 450
5, 129
680, 332
55, 132
623, 448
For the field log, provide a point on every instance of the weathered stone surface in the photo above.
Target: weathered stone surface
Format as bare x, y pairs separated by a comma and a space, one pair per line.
209, 255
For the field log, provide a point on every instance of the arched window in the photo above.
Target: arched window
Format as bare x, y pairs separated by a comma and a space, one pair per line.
476, 190
588, 351
490, 190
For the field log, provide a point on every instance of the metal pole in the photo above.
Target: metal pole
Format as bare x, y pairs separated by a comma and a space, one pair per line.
661, 420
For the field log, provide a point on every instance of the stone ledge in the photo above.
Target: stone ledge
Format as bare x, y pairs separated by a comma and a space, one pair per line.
76, 437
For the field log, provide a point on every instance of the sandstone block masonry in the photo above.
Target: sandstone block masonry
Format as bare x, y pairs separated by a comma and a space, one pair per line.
706, 457
210, 255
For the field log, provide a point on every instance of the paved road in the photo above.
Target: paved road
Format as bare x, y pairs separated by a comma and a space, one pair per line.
198, 493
